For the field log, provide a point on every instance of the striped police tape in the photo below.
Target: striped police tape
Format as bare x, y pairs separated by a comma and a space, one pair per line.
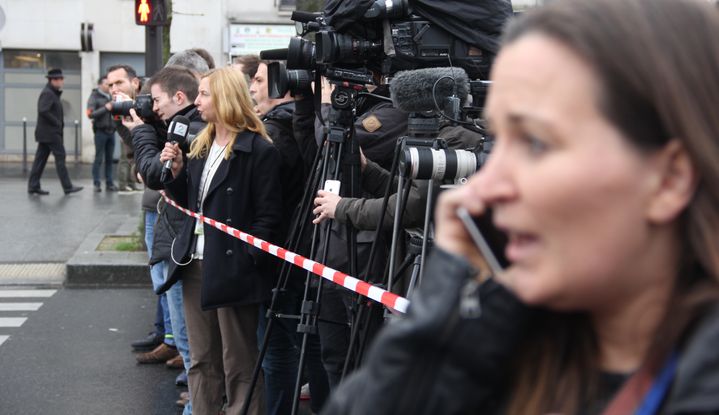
380, 295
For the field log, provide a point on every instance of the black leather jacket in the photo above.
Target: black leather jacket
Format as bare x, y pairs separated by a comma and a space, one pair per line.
444, 358
148, 144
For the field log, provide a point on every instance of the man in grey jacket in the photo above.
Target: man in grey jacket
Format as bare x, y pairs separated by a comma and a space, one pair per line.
104, 128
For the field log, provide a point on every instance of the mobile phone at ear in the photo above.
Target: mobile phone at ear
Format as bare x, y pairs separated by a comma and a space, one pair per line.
489, 240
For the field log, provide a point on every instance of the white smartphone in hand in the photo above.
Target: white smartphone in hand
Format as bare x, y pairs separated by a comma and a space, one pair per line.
332, 186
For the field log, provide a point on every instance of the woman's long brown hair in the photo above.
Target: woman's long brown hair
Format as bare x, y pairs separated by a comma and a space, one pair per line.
658, 68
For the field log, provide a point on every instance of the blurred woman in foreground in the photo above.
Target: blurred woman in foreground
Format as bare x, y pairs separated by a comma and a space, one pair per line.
605, 178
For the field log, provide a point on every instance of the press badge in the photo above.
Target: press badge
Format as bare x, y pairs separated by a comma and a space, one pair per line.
199, 228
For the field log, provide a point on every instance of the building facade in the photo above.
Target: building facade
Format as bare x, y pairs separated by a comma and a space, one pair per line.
85, 37
36, 35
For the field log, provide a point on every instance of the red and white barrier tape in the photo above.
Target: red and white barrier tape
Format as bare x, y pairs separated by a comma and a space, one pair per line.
368, 290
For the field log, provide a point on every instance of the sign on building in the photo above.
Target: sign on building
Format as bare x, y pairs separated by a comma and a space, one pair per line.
252, 38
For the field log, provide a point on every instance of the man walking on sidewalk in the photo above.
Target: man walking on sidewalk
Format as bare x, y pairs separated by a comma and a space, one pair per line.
48, 134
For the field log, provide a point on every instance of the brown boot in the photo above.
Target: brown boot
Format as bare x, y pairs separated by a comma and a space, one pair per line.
184, 399
160, 354
175, 363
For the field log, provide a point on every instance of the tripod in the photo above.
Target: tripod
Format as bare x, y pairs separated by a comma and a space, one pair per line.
423, 132
337, 147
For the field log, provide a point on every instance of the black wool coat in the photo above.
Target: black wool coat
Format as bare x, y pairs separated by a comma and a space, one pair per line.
245, 194
49, 116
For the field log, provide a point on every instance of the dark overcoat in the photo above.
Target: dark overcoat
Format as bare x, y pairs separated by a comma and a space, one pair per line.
245, 194
49, 116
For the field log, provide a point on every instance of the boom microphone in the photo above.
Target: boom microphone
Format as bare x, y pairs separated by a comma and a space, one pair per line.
176, 134
411, 91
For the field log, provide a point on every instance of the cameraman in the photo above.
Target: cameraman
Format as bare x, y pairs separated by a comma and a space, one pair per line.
364, 213
124, 85
281, 360
376, 129
173, 90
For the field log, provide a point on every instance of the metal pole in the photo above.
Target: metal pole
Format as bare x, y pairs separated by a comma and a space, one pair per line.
77, 142
24, 145
153, 49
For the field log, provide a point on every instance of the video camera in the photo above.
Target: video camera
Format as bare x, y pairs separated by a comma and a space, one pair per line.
142, 106
383, 37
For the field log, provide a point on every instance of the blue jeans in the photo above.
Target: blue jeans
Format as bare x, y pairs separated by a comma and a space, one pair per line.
104, 149
157, 274
177, 315
280, 365
173, 304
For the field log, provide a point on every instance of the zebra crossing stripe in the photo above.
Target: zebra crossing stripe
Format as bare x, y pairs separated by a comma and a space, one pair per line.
26, 293
3, 338
12, 321
20, 306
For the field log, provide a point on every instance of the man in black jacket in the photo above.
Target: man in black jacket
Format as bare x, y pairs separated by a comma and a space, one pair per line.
48, 135
173, 90
104, 128
281, 361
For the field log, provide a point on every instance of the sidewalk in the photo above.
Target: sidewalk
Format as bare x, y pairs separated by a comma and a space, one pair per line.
52, 239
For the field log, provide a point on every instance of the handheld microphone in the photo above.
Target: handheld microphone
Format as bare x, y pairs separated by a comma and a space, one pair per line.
176, 134
411, 91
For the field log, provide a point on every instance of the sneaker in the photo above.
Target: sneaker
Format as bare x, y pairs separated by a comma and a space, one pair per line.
111, 188
97, 188
148, 343
126, 190
159, 354
175, 363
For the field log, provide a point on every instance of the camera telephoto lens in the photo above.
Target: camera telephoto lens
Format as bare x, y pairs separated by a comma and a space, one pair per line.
423, 163
300, 54
281, 80
122, 107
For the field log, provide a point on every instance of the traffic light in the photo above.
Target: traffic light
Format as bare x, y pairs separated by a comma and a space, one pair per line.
150, 13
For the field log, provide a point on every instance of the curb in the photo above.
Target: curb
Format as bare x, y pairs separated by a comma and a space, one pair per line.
89, 268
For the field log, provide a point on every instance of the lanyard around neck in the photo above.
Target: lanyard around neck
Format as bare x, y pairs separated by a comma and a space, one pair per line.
205, 186
629, 399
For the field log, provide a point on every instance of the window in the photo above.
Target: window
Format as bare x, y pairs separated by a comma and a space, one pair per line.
286, 4
43, 60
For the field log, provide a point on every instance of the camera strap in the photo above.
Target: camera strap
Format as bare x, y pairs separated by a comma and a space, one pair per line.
643, 393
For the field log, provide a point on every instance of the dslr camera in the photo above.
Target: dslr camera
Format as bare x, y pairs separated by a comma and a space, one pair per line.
142, 106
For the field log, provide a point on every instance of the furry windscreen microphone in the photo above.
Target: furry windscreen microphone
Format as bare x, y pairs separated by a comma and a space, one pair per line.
411, 91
